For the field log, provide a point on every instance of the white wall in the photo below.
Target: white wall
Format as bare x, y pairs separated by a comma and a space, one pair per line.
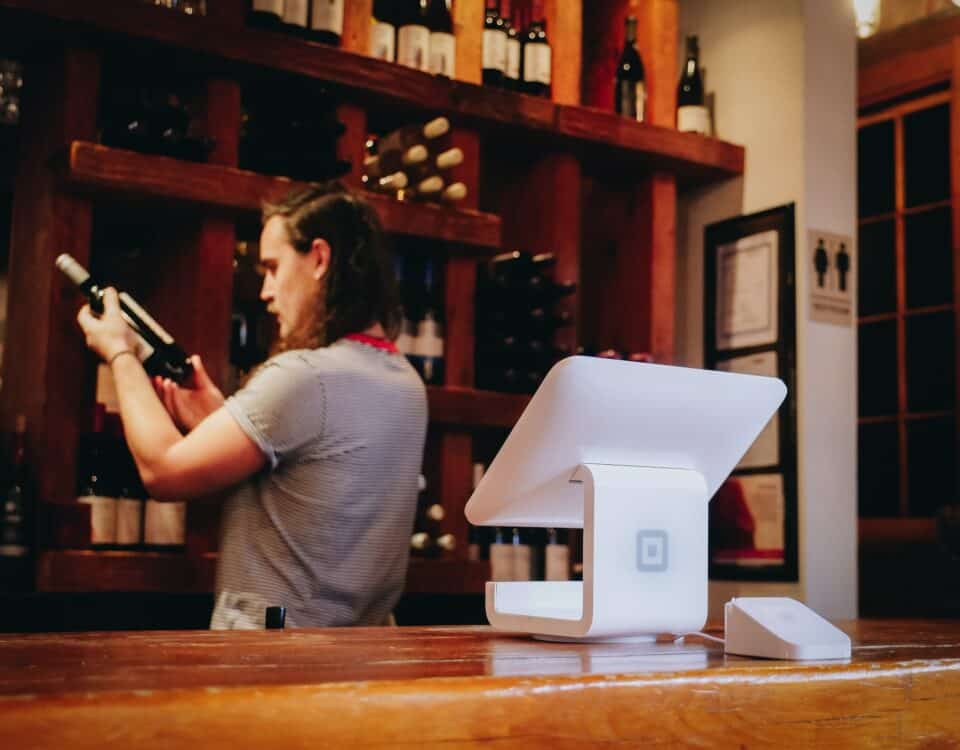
784, 74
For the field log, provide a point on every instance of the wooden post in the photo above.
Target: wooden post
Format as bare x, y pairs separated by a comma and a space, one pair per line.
44, 346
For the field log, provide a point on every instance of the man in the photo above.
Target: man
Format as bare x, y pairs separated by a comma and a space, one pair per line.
320, 449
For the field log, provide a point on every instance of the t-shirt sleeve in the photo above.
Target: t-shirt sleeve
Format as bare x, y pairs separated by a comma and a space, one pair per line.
282, 407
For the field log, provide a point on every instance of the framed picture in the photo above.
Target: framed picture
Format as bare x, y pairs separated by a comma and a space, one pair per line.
749, 326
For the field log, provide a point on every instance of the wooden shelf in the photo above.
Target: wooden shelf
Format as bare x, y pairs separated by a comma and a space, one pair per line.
897, 531
473, 408
123, 570
447, 576
130, 173
692, 157
173, 572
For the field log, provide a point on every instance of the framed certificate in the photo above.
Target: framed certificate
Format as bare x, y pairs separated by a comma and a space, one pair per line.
750, 327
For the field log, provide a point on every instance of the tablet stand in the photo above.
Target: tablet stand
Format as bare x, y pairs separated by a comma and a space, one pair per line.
644, 562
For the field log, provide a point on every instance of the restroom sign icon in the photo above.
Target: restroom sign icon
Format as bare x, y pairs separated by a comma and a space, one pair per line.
831, 275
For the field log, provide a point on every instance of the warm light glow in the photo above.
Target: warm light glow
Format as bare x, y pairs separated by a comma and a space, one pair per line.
868, 16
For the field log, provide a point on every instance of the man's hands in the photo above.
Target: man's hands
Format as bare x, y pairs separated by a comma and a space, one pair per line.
190, 406
108, 334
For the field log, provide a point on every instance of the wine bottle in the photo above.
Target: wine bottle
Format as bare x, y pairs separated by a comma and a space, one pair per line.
267, 14
93, 488
391, 183
511, 73
157, 350
494, 45
424, 190
413, 36
295, 15
14, 534
404, 138
537, 55
428, 345
501, 557
631, 94
405, 338
130, 502
692, 114
395, 161
522, 556
474, 533
556, 557
443, 46
383, 35
326, 21
164, 524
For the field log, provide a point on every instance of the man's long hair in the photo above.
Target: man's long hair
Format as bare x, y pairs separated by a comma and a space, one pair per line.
360, 287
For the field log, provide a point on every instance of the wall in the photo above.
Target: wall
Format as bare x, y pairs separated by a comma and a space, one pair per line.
784, 77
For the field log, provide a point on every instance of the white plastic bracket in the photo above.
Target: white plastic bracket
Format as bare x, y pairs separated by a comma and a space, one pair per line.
644, 561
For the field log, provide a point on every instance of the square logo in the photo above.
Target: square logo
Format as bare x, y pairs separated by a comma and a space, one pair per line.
652, 551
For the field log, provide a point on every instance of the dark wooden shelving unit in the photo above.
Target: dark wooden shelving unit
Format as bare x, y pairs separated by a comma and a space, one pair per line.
131, 174
561, 163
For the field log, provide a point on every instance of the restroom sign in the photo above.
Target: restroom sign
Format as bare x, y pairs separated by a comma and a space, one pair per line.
831, 275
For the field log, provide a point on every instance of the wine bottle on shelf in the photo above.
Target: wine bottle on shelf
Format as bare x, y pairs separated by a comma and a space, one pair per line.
15, 572
432, 165
692, 114
157, 350
93, 488
537, 55
501, 557
395, 161
403, 138
391, 183
266, 14
631, 94
326, 21
443, 45
130, 501
424, 190
164, 524
511, 72
428, 345
383, 34
295, 16
522, 556
413, 36
494, 45
475, 533
557, 556
404, 342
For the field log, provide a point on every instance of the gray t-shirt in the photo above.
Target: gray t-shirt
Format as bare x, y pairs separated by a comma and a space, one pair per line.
324, 530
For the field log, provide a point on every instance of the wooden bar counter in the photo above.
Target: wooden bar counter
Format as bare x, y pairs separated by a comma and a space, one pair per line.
470, 687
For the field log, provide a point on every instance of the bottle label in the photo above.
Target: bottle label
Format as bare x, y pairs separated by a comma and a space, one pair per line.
327, 16
494, 50
693, 119
557, 562
443, 52
164, 523
269, 6
513, 59
295, 12
413, 44
536, 63
103, 518
383, 41
522, 562
429, 341
501, 562
641, 94
129, 520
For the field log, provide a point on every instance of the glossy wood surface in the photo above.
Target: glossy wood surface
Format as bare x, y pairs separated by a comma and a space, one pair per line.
376, 82
470, 687
118, 171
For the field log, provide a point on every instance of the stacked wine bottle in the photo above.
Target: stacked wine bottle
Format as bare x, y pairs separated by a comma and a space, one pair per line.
517, 320
413, 163
415, 33
428, 538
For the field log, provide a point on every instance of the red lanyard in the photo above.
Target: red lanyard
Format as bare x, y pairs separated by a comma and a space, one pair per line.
375, 341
